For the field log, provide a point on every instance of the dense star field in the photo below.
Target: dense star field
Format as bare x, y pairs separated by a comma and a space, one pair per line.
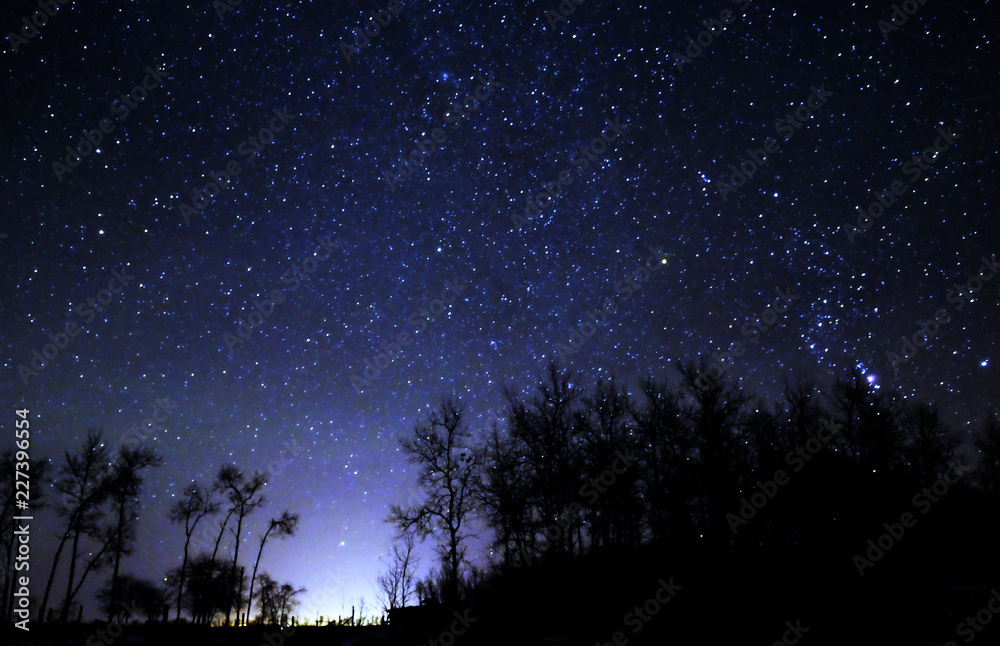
282, 238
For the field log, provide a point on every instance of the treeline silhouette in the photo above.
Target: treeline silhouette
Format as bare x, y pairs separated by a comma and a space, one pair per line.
845, 508
761, 511
96, 501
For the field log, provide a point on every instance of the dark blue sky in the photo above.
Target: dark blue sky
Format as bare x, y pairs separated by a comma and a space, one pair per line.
344, 261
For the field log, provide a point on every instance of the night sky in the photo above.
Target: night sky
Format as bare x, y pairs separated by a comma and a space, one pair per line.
630, 115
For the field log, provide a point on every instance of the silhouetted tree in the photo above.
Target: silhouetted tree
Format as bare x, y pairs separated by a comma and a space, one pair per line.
766, 441
503, 496
713, 413
927, 443
804, 410
396, 583
282, 527
666, 450
987, 442
436, 586
244, 495
870, 424
545, 428
209, 587
189, 510
606, 435
276, 600
853, 455
80, 489
131, 593
123, 483
448, 472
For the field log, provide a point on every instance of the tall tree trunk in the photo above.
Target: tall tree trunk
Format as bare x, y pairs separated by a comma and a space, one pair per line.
52, 575
86, 571
74, 552
222, 530
232, 570
254, 575
180, 588
119, 537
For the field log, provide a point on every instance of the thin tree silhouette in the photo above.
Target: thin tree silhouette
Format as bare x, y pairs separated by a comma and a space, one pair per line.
196, 504
283, 526
448, 470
